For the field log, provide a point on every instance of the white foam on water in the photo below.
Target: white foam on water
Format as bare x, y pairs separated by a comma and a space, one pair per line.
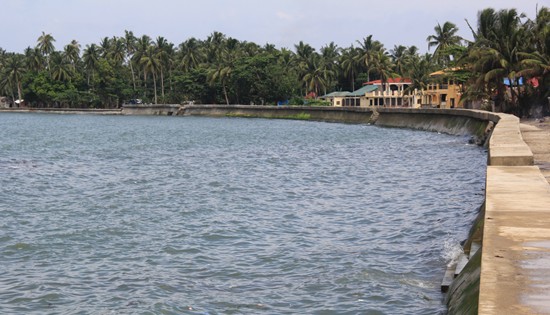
451, 251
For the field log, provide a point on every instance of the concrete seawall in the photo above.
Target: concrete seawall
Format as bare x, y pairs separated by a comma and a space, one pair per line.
74, 111
332, 114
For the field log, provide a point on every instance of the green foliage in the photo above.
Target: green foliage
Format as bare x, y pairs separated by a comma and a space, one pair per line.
317, 102
221, 69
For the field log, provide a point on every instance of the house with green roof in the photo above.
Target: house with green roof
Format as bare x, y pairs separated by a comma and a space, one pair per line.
393, 93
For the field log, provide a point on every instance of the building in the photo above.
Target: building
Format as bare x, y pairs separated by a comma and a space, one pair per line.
443, 92
394, 93
336, 98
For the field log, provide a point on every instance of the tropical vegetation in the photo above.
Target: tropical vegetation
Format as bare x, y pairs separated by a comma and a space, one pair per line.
505, 67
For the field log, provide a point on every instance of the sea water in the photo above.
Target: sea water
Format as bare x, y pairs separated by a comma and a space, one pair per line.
173, 215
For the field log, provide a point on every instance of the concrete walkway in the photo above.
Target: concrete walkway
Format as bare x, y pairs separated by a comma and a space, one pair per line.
515, 266
536, 134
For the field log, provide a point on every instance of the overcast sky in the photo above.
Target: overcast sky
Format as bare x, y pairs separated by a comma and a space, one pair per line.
279, 22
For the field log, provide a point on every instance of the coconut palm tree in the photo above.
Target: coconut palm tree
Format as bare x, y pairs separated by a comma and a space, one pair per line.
330, 54
164, 51
13, 70
215, 46
496, 54
303, 58
369, 48
444, 38
399, 55
34, 59
316, 77
191, 54
381, 64
61, 68
45, 46
350, 64
72, 53
151, 64
105, 47
141, 46
117, 51
91, 60
221, 73
419, 69
129, 41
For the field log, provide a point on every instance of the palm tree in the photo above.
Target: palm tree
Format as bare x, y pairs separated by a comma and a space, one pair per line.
399, 56
105, 47
444, 38
419, 69
303, 56
150, 63
13, 69
61, 68
72, 53
129, 41
34, 59
330, 54
316, 75
91, 60
221, 73
496, 53
46, 47
163, 52
215, 46
536, 64
117, 51
349, 61
191, 54
142, 44
369, 48
381, 64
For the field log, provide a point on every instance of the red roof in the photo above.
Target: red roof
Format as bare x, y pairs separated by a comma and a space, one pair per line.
390, 80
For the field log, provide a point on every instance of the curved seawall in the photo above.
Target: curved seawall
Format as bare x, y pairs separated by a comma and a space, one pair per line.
510, 274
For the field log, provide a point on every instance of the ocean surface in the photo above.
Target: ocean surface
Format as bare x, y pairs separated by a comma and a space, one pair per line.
192, 215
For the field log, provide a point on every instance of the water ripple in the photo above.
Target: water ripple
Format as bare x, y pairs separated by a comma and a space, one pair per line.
162, 215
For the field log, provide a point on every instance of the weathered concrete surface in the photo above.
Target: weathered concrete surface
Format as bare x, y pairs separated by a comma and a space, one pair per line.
158, 110
330, 114
506, 146
515, 267
536, 134
84, 111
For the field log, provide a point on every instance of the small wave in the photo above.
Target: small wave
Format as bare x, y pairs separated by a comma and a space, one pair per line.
451, 251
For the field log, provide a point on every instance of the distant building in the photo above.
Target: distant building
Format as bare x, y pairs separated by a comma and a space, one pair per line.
336, 98
394, 93
443, 92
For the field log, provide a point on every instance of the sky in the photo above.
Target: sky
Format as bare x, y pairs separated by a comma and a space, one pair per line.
283, 23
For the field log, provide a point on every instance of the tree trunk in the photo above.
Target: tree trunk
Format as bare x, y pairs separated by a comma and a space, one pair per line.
225, 93
19, 91
133, 76
162, 83
155, 86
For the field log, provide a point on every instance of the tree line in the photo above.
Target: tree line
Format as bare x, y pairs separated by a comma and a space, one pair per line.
506, 46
